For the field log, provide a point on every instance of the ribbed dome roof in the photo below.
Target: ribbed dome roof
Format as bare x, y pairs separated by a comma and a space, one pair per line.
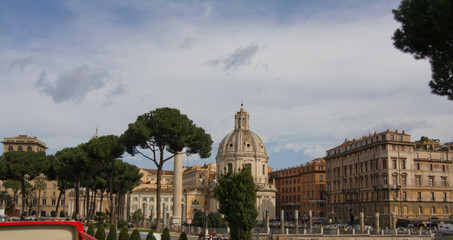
242, 139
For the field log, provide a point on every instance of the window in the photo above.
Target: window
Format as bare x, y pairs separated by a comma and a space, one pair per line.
135, 199
395, 182
29, 149
386, 195
54, 202
432, 196
144, 199
19, 148
443, 168
394, 164
418, 166
419, 181
433, 210
151, 199
445, 196
429, 156
403, 164
419, 196
264, 169
404, 196
230, 167
10, 148
444, 182
441, 157
392, 137
404, 180
44, 201
431, 181
420, 210
430, 167
385, 181
445, 210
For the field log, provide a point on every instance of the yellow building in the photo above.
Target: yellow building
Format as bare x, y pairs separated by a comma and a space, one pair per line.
197, 180
49, 196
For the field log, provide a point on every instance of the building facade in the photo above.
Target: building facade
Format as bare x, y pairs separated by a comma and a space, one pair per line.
243, 148
387, 173
50, 194
301, 188
144, 196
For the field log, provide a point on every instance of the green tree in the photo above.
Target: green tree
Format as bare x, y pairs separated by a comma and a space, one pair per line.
127, 176
150, 236
39, 186
165, 130
183, 236
71, 165
112, 232
100, 232
90, 230
215, 220
19, 164
14, 185
124, 234
236, 193
103, 151
135, 235
137, 216
427, 33
165, 234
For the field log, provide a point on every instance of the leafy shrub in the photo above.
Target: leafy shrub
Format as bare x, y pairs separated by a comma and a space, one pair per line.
150, 236
165, 234
90, 230
121, 224
124, 234
100, 232
112, 232
135, 235
183, 236
99, 218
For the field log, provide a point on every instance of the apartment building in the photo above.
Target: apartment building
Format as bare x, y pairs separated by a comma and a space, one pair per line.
301, 188
389, 174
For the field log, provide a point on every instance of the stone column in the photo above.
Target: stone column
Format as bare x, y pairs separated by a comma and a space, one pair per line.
377, 221
268, 227
296, 215
310, 219
177, 190
282, 221
164, 215
362, 223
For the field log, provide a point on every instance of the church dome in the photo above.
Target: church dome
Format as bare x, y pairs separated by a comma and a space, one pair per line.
243, 148
242, 139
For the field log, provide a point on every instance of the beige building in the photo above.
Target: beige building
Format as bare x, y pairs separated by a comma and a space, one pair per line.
389, 174
144, 196
49, 196
243, 148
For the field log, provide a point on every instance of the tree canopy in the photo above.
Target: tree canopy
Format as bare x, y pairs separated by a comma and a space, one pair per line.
236, 193
427, 33
165, 130
18, 164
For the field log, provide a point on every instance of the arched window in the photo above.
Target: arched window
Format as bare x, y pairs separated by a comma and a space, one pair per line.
10, 148
29, 148
19, 148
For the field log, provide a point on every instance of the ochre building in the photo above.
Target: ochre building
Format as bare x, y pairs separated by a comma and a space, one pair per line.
301, 188
389, 174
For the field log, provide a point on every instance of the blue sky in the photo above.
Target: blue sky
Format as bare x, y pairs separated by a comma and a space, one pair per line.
310, 73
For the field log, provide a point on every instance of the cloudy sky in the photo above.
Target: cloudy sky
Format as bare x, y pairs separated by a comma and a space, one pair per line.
310, 73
